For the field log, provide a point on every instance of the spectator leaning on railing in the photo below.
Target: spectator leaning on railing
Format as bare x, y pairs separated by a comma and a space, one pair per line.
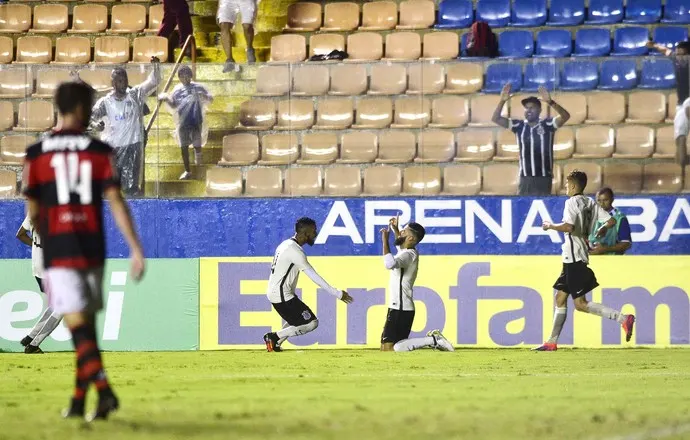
618, 239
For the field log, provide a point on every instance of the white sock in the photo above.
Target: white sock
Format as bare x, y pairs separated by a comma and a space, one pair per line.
298, 330
605, 312
39, 325
560, 314
50, 325
281, 340
414, 344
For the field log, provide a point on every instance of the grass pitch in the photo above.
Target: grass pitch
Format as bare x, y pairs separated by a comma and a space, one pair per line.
625, 394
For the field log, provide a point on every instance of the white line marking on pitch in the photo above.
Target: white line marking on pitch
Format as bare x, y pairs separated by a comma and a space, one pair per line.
653, 434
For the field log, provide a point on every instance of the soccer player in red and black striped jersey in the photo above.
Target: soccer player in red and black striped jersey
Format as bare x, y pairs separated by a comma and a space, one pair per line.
66, 177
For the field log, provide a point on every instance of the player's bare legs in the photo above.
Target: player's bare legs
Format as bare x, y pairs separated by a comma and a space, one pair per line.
560, 315
433, 339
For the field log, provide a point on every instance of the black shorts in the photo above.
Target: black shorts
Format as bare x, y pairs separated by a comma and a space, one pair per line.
294, 312
398, 325
576, 279
40, 283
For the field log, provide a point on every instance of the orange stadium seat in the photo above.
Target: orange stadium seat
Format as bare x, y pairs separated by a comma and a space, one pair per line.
272, 80
634, 142
592, 169
240, 149
295, 114
303, 17
662, 178
449, 112
396, 147
672, 105
625, 177
382, 181
462, 180
257, 114
605, 108
6, 50
279, 149
340, 16
223, 182
143, 48
15, 18
435, 146
310, 80
334, 114
35, 116
594, 141
72, 50
155, 18
686, 174
412, 113
127, 19
13, 148
507, 149
8, 184
557, 180
575, 103
665, 143
15, 83
47, 81
464, 78
379, 16
364, 46
563, 143
421, 180
50, 18
303, 182
348, 79
6, 115
500, 179
373, 113
358, 147
319, 148
343, 181
323, 44
441, 46
474, 146
387, 79
416, 14
426, 79
99, 79
482, 109
264, 182
111, 50
646, 107
34, 50
403, 46
89, 19
288, 49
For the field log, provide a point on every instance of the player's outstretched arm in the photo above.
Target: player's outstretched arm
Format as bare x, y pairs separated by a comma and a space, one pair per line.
559, 227
124, 222
302, 263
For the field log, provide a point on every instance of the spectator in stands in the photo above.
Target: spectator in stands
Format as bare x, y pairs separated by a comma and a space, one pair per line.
617, 240
121, 114
188, 99
176, 13
535, 140
681, 60
482, 41
228, 12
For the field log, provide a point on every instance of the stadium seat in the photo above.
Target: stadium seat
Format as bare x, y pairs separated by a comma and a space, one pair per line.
111, 50
411, 113
403, 46
672, 106
8, 184
288, 49
72, 50
13, 148
676, 11
143, 48
50, 18
379, 16
576, 104
264, 182
16, 83
303, 182
240, 149
342, 181
669, 36
323, 44
665, 143
416, 14
318, 148
310, 80
294, 114
396, 147
127, 18
6, 50
257, 114
463, 47
373, 113
155, 18
449, 112
563, 143
272, 80
303, 17
592, 42
539, 74
223, 182
99, 79
579, 76
657, 73
634, 142
441, 46
358, 147
494, 12
387, 79
421, 180
515, 108
340, 16
464, 78
434, 146
35, 116
594, 142
6, 115
34, 50
605, 12
482, 109
625, 177
686, 173
528, 13
455, 14
474, 146
500, 179
348, 79
592, 169
15, 18
507, 149
364, 46
47, 81
566, 13
382, 181
497, 75
646, 107
605, 108
462, 180
89, 19
557, 180
279, 149
618, 75
642, 11
662, 178
334, 114
554, 43
630, 41
425, 79
515, 44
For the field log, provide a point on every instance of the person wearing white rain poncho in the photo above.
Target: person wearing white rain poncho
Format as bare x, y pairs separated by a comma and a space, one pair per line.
188, 99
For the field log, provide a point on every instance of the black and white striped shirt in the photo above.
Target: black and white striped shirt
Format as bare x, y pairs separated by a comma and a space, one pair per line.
535, 144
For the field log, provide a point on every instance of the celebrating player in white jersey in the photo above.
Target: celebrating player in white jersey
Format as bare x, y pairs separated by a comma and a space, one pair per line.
577, 279
288, 261
403, 267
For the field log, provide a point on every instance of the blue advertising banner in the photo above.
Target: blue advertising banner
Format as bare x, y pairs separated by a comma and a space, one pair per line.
455, 226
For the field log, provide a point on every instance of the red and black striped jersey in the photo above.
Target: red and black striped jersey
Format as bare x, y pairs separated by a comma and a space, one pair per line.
67, 173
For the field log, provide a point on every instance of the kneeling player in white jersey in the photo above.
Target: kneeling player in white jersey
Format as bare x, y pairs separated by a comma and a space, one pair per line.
577, 279
288, 261
403, 267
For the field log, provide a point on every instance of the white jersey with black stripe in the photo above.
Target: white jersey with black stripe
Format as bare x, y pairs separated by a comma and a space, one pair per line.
402, 278
36, 248
581, 212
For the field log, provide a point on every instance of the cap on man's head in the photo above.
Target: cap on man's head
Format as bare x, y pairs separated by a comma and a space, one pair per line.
532, 99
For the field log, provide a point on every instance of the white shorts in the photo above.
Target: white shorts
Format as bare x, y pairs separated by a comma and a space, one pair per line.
228, 10
680, 122
73, 291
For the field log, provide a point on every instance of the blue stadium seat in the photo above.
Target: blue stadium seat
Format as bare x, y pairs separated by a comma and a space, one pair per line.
494, 12
515, 44
566, 13
528, 13
618, 75
541, 73
592, 42
605, 12
630, 41
669, 36
642, 11
676, 11
554, 43
579, 76
455, 14
657, 74
497, 75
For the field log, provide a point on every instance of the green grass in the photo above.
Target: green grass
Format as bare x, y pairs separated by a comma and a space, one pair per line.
352, 394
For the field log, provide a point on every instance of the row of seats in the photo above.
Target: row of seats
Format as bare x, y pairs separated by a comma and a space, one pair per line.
88, 18
77, 50
19, 83
464, 179
35, 115
453, 14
